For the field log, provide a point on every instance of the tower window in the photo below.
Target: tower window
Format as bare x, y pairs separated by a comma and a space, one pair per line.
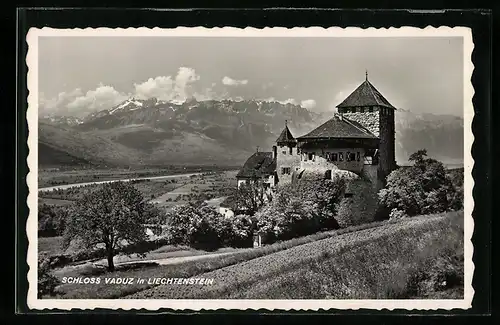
284, 152
362, 110
370, 109
291, 150
354, 109
285, 170
334, 156
351, 156
358, 156
310, 156
341, 156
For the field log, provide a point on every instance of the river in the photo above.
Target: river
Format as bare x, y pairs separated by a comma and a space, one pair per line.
66, 186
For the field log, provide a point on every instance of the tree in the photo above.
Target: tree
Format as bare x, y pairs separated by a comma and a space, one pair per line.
196, 225
113, 215
250, 196
422, 188
302, 208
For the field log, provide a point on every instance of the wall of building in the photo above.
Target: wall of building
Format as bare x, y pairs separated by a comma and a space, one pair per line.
381, 123
387, 145
320, 161
285, 159
359, 204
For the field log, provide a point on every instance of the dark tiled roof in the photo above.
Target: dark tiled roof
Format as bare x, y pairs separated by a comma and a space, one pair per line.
286, 136
365, 95
338, 127
259, 164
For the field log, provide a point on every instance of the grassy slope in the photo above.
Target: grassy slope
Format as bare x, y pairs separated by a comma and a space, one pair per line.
361, 264
188, 269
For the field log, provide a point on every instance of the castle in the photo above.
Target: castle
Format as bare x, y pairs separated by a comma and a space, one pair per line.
359, 140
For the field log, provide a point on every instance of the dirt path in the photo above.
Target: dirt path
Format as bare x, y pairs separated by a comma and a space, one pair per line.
178, 260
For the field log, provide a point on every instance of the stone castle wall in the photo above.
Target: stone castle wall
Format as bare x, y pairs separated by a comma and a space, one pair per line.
360, 202
381, 123
387, 145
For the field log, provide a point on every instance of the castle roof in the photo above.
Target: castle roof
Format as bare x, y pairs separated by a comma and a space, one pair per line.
339, 127
286, 136
365, 95
258, 165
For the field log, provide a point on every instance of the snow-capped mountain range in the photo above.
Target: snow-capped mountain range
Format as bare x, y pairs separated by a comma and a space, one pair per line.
158, 131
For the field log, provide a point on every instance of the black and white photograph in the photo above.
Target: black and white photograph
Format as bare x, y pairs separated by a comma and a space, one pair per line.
275, 168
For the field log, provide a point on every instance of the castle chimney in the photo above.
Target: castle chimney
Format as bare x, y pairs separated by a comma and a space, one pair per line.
275, 152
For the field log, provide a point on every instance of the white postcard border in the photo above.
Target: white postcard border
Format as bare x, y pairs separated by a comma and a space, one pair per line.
196, 305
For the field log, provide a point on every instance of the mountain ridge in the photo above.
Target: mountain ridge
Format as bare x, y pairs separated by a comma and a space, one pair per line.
139, 131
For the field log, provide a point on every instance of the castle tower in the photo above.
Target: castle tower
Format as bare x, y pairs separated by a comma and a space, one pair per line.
367, 106
287, 156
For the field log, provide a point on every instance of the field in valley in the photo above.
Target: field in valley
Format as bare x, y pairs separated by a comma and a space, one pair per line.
165, 193
419, 257
58, 176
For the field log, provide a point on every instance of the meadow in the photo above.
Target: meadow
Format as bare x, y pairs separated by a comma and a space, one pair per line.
419, 257
187, 269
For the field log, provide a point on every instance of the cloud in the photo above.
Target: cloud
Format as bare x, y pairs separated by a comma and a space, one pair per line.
59, 102
177, 88
160, 87
308, 103
233, 82
103, 97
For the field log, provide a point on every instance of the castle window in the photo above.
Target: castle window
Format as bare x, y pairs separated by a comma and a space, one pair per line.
285, 170
284, 152
358, 156
370, 109
362, 110
351, 156
367, 160
291, 150
354, 109
328, 174
310, 156
341, 156
334, 156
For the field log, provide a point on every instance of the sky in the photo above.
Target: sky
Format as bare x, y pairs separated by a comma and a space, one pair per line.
78, 75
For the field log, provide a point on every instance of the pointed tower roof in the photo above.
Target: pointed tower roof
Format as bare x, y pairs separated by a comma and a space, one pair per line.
365, 95
286, 136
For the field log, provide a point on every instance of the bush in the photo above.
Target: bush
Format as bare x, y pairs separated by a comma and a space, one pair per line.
202, 227
47, 282
195, 225
51, 220
302, 208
